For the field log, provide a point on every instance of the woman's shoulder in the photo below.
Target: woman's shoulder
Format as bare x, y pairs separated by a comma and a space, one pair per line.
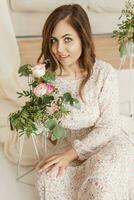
103, 68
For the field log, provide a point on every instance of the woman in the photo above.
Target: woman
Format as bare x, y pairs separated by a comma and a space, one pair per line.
94, 160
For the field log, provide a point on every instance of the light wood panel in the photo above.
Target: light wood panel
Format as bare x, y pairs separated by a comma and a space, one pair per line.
106, 49
29, 50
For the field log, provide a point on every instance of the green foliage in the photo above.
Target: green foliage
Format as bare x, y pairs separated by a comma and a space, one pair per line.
50, 124
35, 116
49, 77
25, 70
24, 93
68, 98
125, 32
58, 132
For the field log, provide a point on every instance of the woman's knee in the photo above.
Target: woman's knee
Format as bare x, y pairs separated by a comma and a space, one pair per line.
106, 162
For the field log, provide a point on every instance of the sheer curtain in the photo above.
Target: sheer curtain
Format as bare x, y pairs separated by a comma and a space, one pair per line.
9, 84
9, 62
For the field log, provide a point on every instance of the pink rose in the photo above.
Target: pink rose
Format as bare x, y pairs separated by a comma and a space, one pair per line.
50, 87
39, 70
40, 89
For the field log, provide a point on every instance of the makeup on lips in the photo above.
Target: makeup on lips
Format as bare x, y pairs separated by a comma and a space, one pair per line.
62, 57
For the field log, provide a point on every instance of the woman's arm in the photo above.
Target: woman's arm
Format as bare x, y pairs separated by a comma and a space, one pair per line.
107, 124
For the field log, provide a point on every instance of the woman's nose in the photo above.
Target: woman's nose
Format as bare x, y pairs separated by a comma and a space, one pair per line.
60, 47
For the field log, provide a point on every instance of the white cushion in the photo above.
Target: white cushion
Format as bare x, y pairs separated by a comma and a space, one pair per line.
126, 90
35, 12
21, 22
107, 5
126, 83
41, 5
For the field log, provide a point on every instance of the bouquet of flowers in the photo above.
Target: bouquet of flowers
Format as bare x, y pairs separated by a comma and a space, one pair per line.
45, 107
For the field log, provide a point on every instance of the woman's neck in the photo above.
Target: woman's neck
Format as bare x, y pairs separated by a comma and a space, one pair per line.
74, 73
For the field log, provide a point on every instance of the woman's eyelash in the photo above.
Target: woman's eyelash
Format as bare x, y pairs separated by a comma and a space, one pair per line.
67, 39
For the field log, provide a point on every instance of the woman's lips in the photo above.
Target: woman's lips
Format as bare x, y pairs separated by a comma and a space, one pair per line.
62, 57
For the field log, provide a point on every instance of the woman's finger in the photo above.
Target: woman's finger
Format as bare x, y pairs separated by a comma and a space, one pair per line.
49, 164
50, 158
40, 165
45, 161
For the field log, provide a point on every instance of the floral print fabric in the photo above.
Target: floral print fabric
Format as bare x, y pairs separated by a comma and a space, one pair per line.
105, 165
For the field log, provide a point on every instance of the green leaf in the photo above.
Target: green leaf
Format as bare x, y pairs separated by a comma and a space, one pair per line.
77, 105
24, 93
50, 124
63, 109
24, 70
58, 132
122, 49
46, 100
67, 96
49, 77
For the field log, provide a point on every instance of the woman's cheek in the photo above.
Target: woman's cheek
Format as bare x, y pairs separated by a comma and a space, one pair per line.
53, 48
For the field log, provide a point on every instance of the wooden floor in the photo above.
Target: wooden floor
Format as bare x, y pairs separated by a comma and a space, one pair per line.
106, 49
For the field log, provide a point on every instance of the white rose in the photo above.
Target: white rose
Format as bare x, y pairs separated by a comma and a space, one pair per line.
38, 70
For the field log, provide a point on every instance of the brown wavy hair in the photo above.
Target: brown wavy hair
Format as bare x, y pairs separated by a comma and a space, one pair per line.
78, 19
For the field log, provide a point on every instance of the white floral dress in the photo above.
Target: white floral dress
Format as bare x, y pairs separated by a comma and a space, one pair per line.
104, 168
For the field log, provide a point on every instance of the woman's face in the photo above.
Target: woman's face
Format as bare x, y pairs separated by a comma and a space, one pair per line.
66, 44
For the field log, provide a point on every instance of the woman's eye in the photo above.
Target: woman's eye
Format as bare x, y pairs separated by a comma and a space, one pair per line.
52, 40
67, 39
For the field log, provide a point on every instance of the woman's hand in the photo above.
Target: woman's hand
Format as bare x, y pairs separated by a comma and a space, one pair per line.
56, 164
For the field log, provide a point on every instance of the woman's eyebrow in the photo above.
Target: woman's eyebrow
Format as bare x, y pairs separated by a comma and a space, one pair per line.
61, 36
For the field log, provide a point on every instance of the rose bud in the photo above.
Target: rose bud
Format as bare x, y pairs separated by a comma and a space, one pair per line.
39, 70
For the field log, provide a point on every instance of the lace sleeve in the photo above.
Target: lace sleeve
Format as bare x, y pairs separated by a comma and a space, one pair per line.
106, 125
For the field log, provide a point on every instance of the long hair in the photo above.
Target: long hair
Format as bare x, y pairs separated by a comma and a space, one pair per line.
78, 19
